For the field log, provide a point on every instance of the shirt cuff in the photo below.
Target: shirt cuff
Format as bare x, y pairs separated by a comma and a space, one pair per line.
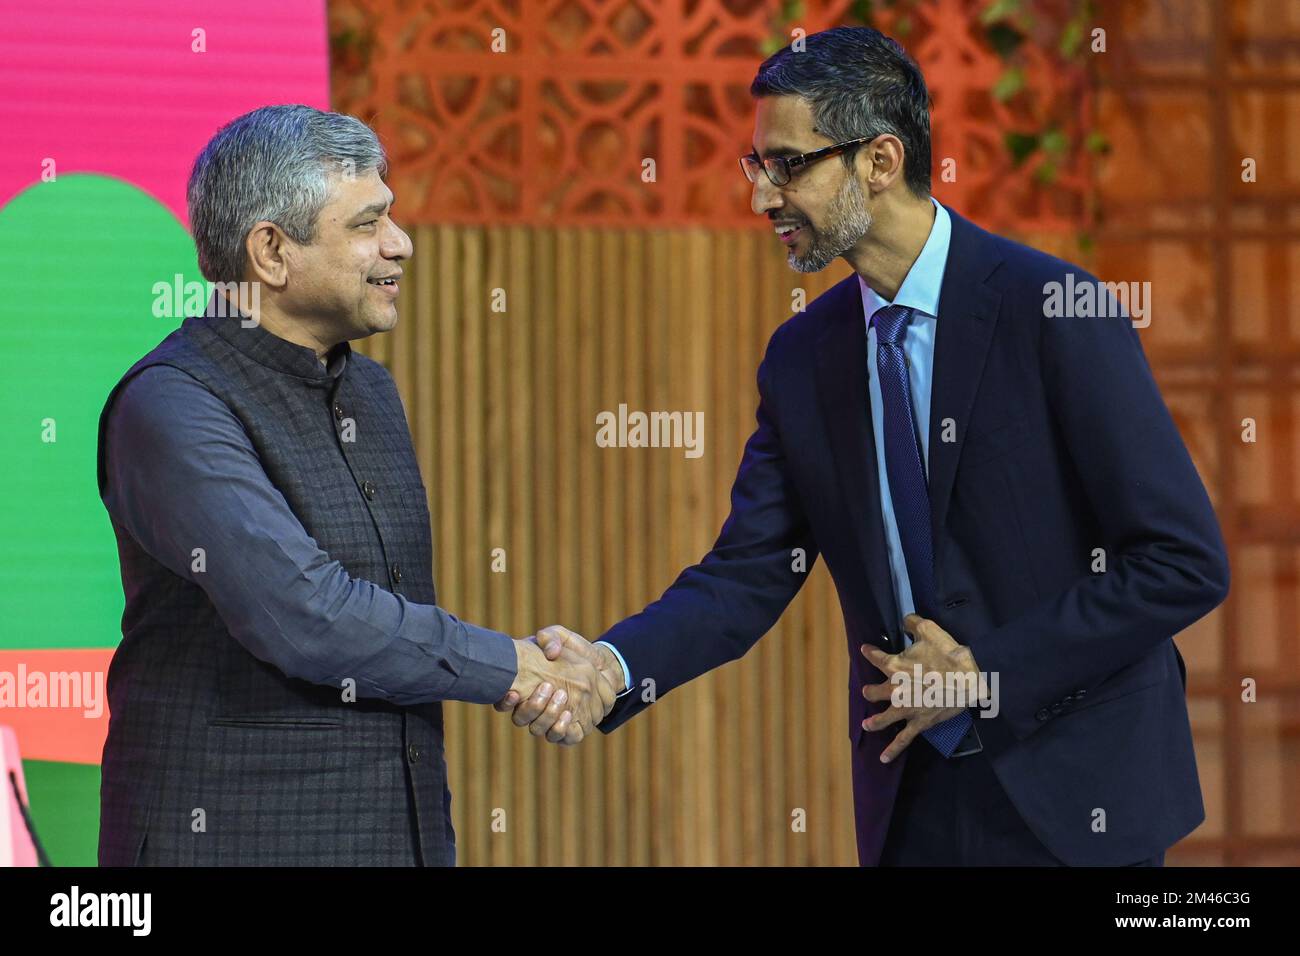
627, 675
489, 667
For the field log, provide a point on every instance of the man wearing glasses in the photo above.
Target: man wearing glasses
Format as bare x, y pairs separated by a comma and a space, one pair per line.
1000, 493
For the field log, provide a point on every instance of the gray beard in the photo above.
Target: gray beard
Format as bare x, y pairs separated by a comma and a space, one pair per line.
849, 221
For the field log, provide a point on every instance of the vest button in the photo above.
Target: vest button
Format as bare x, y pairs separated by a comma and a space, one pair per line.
338, 411
397, 574
368, 489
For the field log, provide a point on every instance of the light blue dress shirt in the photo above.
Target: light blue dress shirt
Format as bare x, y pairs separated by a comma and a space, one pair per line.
627, 674
919, 291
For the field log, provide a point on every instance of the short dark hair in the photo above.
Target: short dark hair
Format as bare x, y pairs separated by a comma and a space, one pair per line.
860, 83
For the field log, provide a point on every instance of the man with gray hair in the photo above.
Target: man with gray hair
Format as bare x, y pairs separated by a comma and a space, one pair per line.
275, 698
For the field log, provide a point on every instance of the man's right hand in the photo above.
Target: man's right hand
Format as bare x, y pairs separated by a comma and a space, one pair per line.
560, 689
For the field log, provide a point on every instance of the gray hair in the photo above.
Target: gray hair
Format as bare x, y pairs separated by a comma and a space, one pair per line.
860, 84
271, 164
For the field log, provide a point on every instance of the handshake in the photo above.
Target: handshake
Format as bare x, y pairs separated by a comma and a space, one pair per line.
564, 686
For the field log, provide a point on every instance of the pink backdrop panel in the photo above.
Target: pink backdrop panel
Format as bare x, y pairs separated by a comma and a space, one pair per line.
118, 88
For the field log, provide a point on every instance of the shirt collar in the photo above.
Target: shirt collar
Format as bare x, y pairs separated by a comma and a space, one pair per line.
924, 281
270, 350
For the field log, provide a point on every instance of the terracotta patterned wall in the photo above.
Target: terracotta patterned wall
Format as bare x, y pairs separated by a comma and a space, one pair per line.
553, 127
662, 295
1188, 91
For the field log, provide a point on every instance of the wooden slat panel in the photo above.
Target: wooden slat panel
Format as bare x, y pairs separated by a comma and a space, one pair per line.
548, 278
566, 547
503, 410
523, 557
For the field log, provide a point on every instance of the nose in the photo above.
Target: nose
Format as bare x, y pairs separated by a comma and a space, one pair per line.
765, 196
396, 243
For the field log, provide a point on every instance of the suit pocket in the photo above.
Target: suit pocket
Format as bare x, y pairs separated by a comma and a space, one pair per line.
276, 722
140, 858
996, 441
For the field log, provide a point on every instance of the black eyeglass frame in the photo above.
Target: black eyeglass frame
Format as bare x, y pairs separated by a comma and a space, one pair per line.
786, 165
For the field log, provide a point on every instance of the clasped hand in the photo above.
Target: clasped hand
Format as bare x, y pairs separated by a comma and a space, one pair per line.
564, 686
933, 651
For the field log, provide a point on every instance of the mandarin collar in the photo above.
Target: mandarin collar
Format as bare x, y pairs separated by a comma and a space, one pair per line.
270, 350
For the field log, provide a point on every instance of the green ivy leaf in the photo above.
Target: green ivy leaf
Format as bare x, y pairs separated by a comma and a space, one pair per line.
1004, 39
1071, 38
1097, 142
1000, 10
1020, 145
1055, 142
1009, 84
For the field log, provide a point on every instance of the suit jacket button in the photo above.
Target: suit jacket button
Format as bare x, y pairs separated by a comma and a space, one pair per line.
413, 753
397, 574
1043, 714
368, 489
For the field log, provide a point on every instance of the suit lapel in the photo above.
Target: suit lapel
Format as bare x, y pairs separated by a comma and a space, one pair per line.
842, 385
968, 313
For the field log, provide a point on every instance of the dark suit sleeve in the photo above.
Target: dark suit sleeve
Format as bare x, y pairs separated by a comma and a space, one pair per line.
718, 609
183, 475
1166, 565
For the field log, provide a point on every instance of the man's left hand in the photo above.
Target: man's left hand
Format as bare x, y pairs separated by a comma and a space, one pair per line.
936, 652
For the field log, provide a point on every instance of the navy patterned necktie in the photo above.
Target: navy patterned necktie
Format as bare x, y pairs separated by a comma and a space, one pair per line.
907, 487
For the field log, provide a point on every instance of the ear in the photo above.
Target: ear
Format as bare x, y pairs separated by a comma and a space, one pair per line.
880, 162
267, 248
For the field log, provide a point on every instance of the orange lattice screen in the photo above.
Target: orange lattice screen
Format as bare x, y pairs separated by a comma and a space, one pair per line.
543, 112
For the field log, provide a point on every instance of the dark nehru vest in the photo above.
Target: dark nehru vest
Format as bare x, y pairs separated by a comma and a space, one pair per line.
214, 757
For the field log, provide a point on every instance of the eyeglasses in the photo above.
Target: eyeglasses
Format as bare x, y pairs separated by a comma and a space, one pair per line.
779, 169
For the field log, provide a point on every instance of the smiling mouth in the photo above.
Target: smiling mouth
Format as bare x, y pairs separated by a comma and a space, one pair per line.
788, 232
388, 285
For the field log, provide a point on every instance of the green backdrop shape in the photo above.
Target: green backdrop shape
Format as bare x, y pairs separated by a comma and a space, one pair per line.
65, 810
82, 256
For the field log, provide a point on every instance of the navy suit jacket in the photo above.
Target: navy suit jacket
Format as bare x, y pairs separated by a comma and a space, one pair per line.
1063, 445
